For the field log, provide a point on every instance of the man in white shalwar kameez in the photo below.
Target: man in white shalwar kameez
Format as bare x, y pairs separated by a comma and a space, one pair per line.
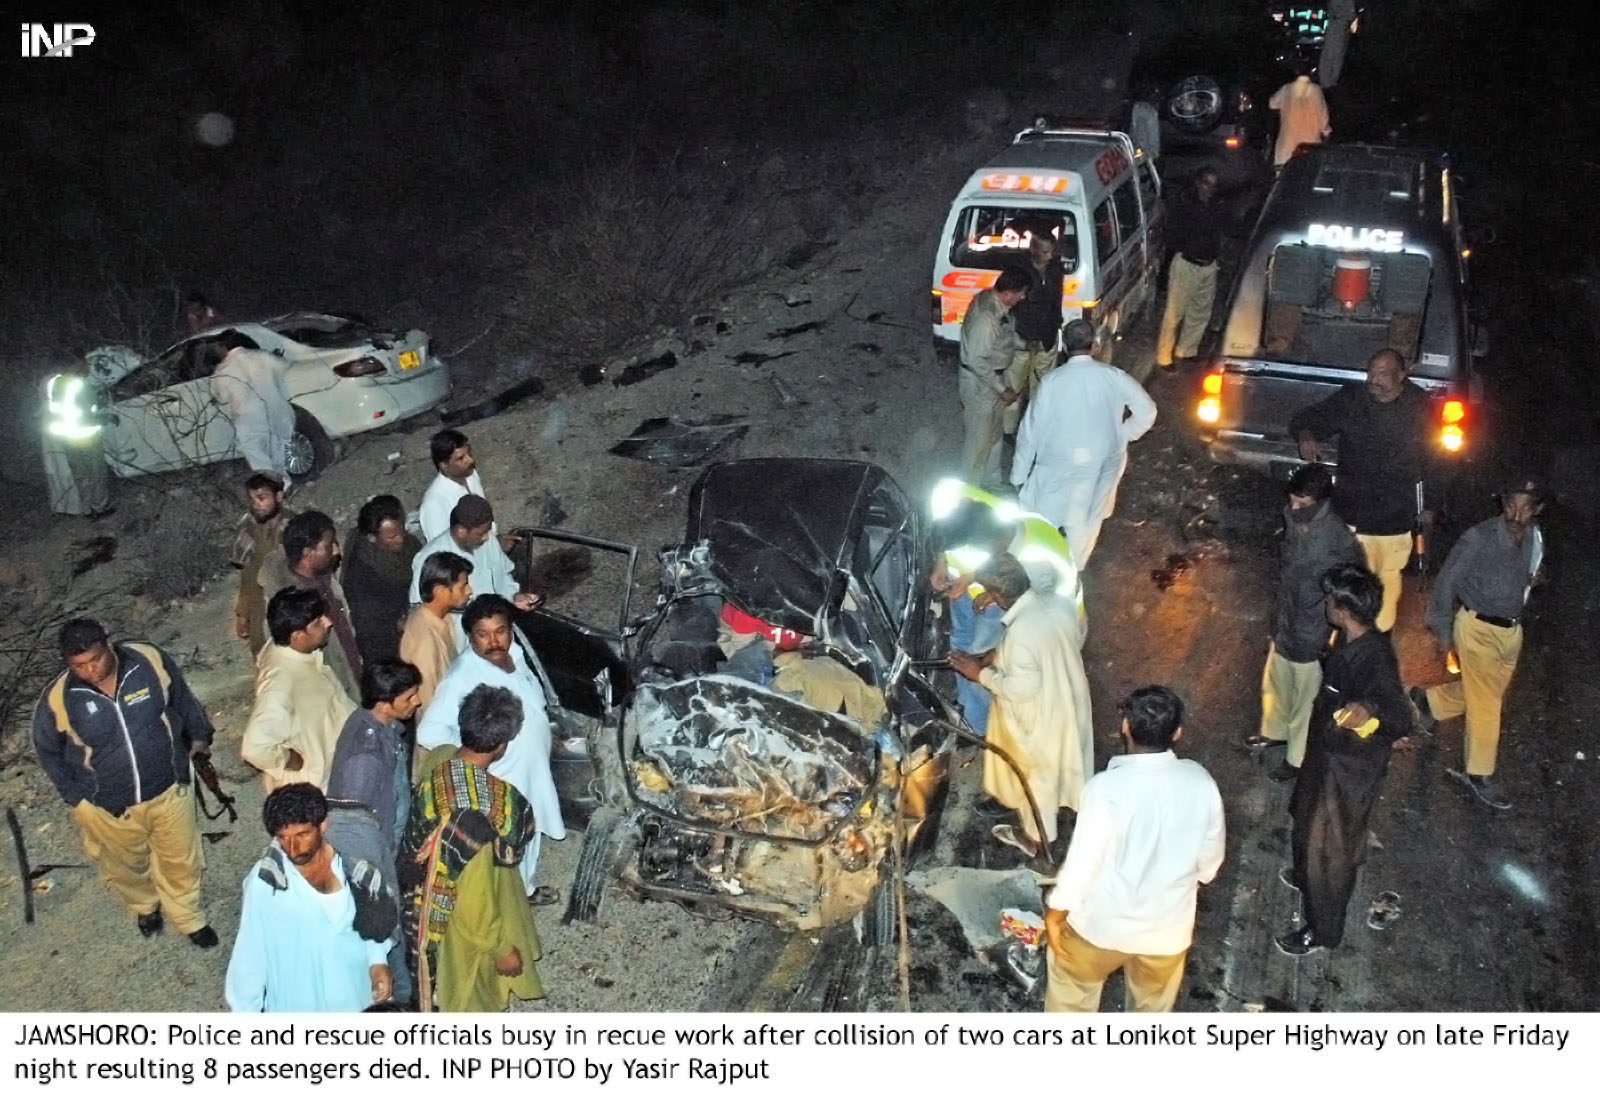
1073, 444
457, 477
1302, 117
248, 385
1041, 713
494, 658
471, 535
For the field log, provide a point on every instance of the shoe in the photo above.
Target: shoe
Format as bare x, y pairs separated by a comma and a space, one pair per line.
150, 925
1422, 718
1298, 943
1283, 772
1482, 788
1286, 875
1008, 834
544, 896
205, 937
1258, 742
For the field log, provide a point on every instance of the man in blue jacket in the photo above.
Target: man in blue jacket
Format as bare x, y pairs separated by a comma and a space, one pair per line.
115, 732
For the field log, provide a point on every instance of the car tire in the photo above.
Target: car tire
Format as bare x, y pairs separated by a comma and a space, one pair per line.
596, 862
881, 921
1196, 104
311, 451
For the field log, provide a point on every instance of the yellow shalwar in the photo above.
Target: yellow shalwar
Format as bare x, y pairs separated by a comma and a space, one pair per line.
1041, 713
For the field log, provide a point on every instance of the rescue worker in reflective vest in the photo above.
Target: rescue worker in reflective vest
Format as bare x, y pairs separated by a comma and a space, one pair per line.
971, 526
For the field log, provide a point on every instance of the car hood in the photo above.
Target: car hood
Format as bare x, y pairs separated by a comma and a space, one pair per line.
781, 532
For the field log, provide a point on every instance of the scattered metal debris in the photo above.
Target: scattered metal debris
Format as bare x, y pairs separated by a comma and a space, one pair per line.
96, 551
797, 329
519, 392
32, 878
756, 358
786, 399
874, 317
976, 897
680, 443
1385, 911
650, 367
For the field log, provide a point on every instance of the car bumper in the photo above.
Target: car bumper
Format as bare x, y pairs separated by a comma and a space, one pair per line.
356, 407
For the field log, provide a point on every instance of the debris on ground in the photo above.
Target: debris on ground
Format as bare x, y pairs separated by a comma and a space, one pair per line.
96, 551
1385, 911
1176, 566
797, 329
681, 443
976, 897
639, 371
519, 392
756, 358
786, 399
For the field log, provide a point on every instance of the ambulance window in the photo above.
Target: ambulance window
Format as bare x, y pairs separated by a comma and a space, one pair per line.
1330, 307
993, 238
1105, 231
1127, 209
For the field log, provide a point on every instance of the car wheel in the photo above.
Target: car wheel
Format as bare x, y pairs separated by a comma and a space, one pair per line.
1196, 103
596, 862
311, 451
881, 921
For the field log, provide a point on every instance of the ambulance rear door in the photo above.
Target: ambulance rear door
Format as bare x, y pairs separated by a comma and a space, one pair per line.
990, 227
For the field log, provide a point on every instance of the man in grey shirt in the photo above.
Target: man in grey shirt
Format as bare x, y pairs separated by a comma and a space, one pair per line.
1476, 609
369, 782
988, 344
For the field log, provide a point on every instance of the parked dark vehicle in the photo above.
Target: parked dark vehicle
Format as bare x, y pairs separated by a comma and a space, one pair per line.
1358, 248
1211, 89
719, 791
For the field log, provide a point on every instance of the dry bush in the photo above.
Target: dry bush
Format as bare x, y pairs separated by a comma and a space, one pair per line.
627, 246
184, 533
30, 617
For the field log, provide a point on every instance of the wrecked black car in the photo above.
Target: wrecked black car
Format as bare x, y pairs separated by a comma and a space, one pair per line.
755, 742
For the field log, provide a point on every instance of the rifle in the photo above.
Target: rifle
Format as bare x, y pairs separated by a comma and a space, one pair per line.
209, 780
1420, 537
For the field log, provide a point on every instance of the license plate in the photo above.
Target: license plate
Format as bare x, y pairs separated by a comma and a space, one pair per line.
410, 360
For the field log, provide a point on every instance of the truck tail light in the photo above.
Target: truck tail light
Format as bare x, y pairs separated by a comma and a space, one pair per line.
1210, 409
1452, 433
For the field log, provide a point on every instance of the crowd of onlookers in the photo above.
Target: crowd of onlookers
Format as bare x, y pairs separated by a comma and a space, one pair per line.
400, 734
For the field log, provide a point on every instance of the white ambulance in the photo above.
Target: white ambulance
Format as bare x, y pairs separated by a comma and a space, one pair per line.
1091, 190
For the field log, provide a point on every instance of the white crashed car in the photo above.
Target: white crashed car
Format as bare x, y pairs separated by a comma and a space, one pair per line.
343, 375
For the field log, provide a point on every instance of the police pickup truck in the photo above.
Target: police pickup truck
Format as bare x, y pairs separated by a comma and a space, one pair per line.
1358, 248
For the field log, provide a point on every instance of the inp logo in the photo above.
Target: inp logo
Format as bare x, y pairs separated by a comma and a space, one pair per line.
54, 40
